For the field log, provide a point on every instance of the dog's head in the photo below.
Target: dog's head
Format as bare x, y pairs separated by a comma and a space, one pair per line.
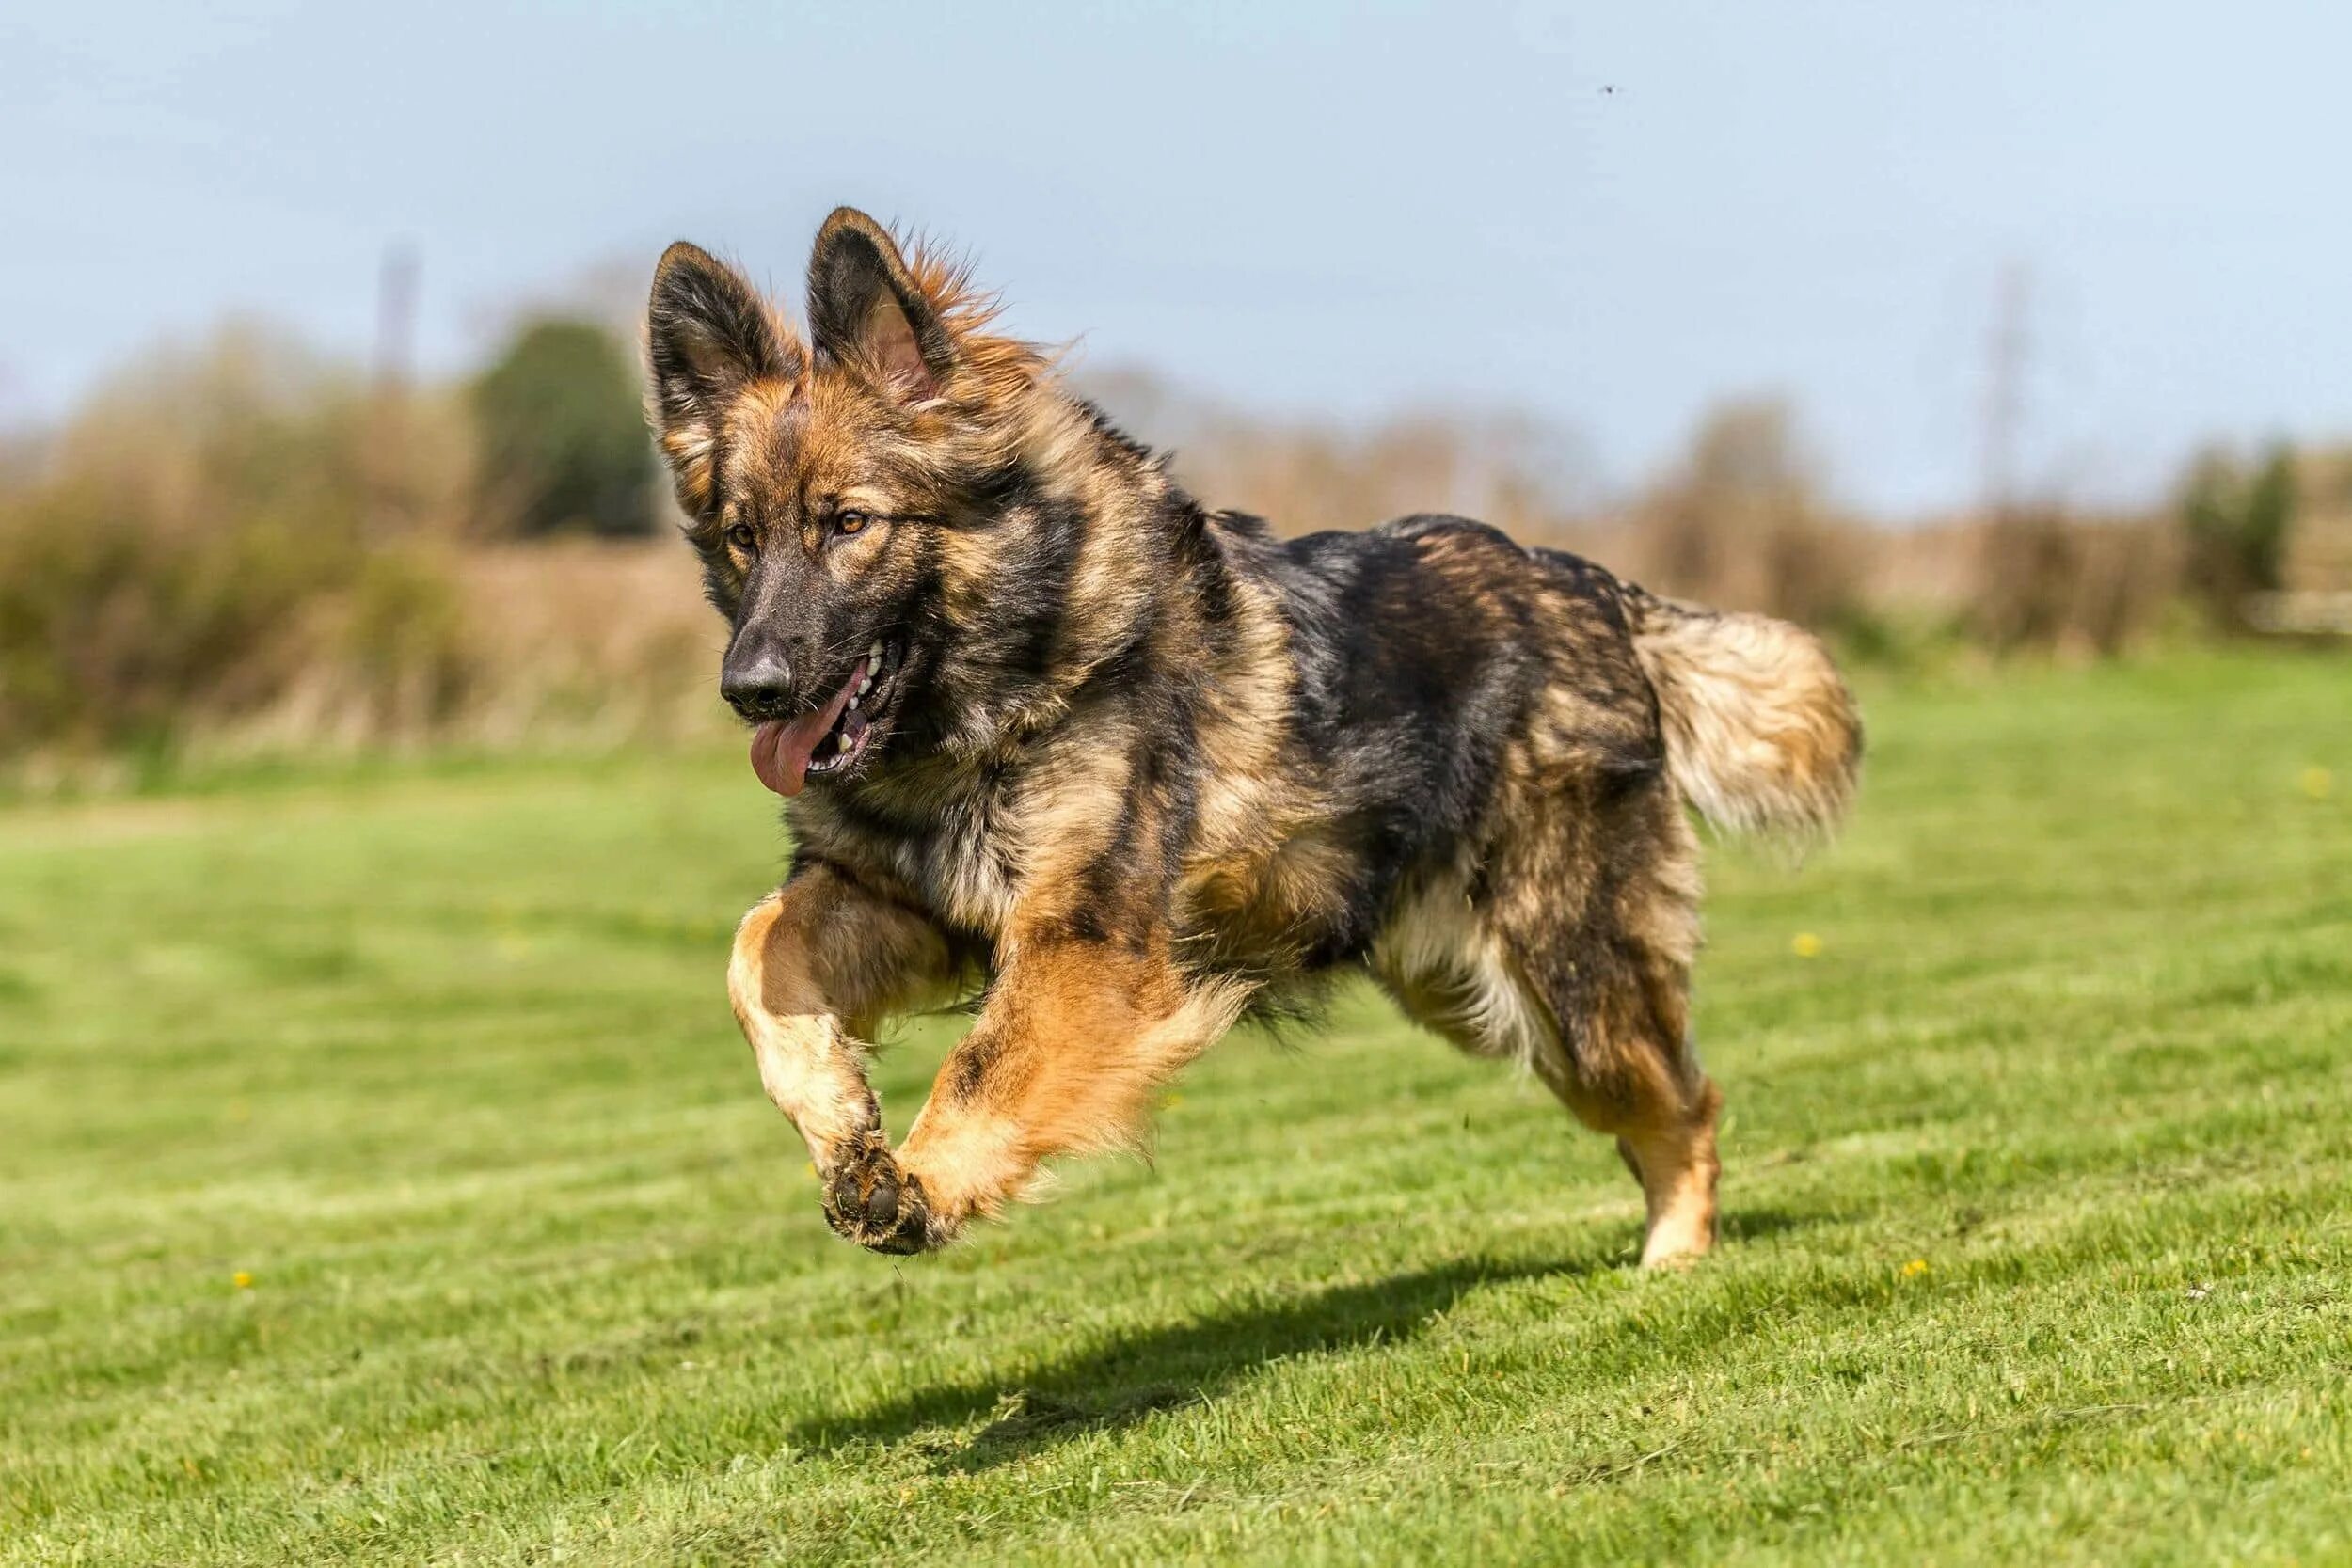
835, 488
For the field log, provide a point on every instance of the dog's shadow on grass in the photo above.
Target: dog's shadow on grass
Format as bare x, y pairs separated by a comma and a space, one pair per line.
1136, 1373
1120, 1382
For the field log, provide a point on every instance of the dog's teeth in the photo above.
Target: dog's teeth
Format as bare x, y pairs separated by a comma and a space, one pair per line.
860, 692
873, 655
843, 745
863, 687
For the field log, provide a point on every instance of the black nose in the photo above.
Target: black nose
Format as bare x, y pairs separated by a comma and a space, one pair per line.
758, 685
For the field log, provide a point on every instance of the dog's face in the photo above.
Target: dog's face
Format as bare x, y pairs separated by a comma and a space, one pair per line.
826, 482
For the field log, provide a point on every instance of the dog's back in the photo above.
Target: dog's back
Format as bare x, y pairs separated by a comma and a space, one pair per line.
1443, 671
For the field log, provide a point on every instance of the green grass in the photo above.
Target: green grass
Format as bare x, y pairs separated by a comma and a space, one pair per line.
439, 1057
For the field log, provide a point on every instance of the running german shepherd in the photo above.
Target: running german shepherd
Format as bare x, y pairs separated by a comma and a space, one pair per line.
1051, 728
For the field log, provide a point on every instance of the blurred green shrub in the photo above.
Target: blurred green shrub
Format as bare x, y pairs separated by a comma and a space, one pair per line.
562, 425
2238, 521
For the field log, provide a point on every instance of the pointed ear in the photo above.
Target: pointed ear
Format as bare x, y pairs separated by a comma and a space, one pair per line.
709, 335
864, 307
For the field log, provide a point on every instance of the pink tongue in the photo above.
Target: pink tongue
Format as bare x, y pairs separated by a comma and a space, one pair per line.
781, 748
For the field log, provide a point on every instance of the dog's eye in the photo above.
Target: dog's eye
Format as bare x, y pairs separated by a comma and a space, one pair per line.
850, 522
741, 537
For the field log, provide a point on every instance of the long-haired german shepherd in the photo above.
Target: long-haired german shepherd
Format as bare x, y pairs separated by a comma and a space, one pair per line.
1051, 728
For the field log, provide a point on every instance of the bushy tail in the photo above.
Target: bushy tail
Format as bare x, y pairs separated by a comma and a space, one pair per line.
1761, 733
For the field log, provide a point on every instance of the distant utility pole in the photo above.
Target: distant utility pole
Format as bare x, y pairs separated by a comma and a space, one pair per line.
396, 341
2007, 351
395, 315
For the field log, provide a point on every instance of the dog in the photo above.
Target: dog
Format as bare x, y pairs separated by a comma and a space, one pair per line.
1128, 770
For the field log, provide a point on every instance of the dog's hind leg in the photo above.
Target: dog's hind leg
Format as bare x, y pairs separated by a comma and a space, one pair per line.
816, 966
1596, 903
1568, 948
1624, 1066
1070, 1044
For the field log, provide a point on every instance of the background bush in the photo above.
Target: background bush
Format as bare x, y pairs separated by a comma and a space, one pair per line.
2236, 518
563, 431
215, 536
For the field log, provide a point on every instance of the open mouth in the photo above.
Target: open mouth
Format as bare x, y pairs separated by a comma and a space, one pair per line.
787, 752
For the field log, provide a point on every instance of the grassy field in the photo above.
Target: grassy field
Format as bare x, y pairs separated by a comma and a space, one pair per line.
381, 1179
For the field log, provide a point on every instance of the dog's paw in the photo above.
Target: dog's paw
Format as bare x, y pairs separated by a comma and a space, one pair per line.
880, 1204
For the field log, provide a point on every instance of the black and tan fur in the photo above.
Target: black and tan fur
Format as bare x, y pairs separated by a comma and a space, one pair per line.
1138, 768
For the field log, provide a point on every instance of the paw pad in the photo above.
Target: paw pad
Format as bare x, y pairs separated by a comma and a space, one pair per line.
876, 1204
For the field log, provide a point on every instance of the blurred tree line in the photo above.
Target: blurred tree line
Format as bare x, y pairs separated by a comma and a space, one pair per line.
243, 530
243, 538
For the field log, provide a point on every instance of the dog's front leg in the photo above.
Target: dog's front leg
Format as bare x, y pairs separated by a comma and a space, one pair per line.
816, 966
1073, 1041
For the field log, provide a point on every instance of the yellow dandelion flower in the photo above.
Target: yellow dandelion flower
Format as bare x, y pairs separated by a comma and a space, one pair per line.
2317, 783
1804, 944
1169, 1102
1914, 1269
241, 1280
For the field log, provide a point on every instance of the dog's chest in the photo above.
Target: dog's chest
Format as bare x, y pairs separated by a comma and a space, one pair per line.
955, 852
966, 865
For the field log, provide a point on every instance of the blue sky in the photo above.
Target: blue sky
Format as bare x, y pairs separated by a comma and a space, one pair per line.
1608, 215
